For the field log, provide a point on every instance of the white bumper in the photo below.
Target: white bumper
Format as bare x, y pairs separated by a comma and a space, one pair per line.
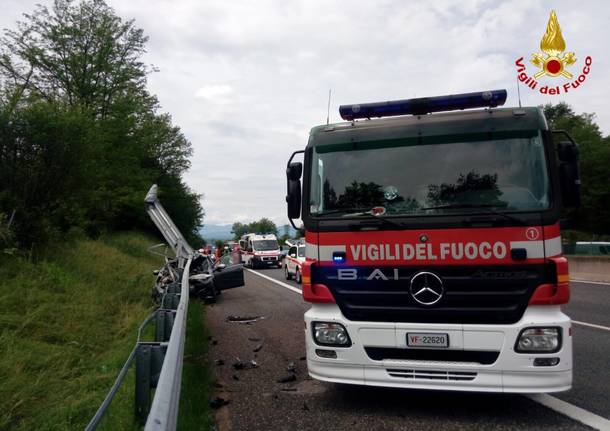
511, 372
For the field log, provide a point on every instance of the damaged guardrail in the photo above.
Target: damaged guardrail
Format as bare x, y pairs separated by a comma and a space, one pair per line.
158, 363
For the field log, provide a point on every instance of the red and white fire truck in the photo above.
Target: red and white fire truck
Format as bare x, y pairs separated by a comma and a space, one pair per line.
433, 246
260, 250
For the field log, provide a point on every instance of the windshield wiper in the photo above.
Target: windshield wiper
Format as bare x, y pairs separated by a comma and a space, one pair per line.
361, 212
343, 210
488, 208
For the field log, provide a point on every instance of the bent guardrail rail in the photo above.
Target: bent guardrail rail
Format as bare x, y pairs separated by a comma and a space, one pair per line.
159, 363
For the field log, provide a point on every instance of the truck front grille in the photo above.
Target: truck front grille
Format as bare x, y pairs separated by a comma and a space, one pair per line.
436, 355
433, 375
473, 294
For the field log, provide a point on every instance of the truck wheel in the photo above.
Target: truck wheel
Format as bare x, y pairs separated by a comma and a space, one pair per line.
286, 273
297, 275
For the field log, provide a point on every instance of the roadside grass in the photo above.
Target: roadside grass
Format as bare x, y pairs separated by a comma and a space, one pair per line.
195, 412
67, 324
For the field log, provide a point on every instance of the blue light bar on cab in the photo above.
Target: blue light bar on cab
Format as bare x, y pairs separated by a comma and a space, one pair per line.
424, 105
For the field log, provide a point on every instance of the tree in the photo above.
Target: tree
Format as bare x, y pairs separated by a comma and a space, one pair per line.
75, 114
264, 225
80, 52
594, 214
238, 230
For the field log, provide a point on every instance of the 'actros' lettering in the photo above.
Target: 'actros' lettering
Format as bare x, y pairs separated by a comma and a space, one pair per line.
443, 251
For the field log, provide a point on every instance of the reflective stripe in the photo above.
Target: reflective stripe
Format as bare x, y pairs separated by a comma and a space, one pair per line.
553, 246
535, 249
326, 251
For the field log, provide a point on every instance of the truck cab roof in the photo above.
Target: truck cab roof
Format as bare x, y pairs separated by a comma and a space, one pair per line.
446, 123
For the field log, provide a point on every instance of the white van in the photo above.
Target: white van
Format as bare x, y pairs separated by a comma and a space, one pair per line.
260, 250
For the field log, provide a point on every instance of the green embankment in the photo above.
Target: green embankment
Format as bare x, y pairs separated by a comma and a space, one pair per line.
67, 324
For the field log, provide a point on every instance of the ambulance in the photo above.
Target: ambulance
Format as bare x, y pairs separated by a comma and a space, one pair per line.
433, 245
260, 250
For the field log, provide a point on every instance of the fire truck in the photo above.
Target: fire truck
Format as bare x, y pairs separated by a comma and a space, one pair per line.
433, 245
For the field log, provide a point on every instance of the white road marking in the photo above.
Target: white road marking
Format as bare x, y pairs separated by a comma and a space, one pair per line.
590, 282
581, 415
287, 286
578, 414
605, 328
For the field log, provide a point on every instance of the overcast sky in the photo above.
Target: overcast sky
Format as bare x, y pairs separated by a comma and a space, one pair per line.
246, 80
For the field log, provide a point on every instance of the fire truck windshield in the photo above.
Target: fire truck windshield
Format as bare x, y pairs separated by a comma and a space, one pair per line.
412, 178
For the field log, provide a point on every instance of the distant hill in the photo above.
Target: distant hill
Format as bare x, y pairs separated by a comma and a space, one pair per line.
216, 231
211, 232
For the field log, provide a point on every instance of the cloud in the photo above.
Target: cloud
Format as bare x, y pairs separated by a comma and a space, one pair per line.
246, 81
214, 92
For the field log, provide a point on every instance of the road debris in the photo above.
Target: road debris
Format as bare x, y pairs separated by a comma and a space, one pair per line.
241, 365
244, 320
254, 339
258, 348
235, 377
287, 378
218, 402
219, 362
292, 368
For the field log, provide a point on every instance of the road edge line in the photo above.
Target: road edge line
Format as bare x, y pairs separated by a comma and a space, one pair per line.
287, 286
570, 410
592, 325
577, 280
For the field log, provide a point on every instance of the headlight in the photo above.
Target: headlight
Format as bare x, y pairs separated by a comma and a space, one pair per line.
539, 340
330, 334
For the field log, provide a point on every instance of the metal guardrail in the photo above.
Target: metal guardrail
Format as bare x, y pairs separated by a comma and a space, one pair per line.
159, 363
164, 411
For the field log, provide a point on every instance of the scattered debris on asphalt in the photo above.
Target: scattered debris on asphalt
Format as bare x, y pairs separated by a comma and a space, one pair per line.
305, 407
241, 365
235, 377
258, 348
219, 362
218, 402
244, 320
287, 378
292, 368
288, 389
254, 339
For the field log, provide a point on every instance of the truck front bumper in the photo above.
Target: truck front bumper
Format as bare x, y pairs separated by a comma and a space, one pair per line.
509, 372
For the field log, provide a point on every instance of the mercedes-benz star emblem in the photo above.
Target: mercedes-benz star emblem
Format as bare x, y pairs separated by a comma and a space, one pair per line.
426, 288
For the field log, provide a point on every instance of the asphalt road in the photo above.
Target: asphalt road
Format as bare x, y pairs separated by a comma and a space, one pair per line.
259, 402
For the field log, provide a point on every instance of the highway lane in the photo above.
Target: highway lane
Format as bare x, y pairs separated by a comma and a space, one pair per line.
589, 303
258, 402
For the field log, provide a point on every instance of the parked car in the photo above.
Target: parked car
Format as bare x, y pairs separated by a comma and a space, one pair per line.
293, 262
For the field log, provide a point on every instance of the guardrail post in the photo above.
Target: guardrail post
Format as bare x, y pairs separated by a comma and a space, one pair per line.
149, 361
164, 323
170, 301
143, 360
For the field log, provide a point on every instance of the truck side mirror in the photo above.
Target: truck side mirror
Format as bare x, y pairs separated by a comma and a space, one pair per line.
293, 196
569, 171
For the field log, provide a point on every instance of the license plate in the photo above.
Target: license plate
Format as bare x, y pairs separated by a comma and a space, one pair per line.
420, 339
